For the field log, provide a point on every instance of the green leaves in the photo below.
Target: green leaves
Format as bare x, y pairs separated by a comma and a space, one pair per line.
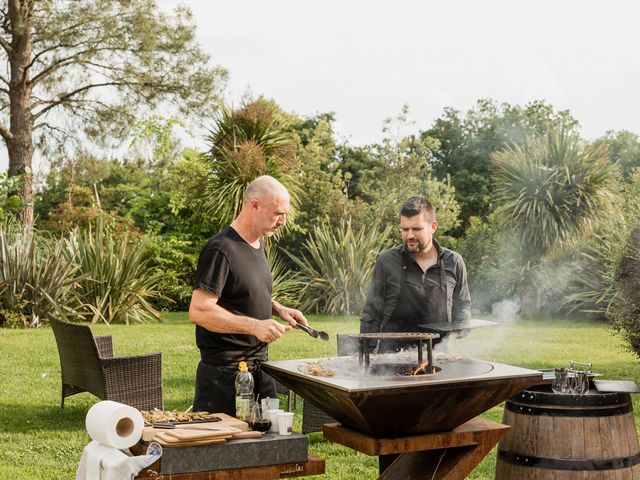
115, 285
466, 143
96, 274
338, 266
550, 189
35, 276
245, 144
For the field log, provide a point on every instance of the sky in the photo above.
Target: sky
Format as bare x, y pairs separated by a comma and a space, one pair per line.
363, 60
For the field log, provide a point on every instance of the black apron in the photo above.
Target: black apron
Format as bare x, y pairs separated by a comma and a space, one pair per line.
417, 305
216, 390
434, 309
434, 296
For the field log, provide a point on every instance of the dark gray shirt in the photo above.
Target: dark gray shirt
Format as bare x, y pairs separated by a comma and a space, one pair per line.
399, 301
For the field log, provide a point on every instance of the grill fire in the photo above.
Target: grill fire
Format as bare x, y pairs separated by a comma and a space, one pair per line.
421, 370
365, 340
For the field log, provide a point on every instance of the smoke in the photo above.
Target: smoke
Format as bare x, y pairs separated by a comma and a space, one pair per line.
506, 311
484, 343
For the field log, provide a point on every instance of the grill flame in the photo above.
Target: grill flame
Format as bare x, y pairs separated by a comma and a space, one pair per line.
422, 368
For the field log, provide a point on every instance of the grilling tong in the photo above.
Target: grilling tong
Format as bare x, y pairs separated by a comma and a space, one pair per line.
313, 332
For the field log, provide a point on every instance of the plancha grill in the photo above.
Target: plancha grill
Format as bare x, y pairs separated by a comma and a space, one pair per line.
372, 398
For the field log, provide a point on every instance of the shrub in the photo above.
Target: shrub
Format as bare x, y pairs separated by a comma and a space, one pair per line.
338, 267
600, 259
35, 276
177, 258
624, 311
116, 285
287, 284
625, 306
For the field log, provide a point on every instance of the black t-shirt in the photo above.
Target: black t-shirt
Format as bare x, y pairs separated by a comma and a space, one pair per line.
239, 274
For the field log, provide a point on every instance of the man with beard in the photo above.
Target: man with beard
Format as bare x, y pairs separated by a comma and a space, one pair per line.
231, 303
418, 282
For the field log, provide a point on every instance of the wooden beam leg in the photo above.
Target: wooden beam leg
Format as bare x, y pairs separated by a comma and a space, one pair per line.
413, 465
453, 463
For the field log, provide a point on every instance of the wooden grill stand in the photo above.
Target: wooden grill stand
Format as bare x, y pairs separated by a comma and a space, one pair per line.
439, 456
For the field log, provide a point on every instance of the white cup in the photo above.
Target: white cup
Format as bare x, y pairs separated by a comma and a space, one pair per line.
273, 416
285, 423
270, 404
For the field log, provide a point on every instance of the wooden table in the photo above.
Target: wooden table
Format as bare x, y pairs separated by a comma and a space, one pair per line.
313, 466
442, 456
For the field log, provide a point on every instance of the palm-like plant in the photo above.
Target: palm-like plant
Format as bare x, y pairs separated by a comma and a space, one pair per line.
549, 191
337, 270
600, 259
35, 276
245, 144
116, 285
287, 284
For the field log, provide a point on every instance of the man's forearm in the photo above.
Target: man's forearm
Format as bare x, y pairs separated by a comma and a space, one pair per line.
220, 320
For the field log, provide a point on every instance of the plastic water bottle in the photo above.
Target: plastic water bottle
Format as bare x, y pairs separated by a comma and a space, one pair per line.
244, 392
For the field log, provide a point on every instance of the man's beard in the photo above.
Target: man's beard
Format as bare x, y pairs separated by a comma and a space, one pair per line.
415, 248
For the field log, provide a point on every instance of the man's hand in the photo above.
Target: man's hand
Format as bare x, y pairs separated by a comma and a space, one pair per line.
270, 330
460, 333
290, 315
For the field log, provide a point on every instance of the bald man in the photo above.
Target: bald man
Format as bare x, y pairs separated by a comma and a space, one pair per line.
231, 304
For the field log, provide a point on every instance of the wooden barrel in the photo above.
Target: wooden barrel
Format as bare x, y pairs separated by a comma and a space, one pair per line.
566, 437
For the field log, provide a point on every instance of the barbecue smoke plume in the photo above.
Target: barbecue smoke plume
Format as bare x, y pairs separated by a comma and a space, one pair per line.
483, 343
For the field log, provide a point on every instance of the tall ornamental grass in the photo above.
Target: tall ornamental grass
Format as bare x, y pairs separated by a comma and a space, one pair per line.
287, 285
116, 285
337, 266
35, 276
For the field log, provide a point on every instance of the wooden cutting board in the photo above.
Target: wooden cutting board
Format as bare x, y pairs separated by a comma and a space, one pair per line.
169, 442
184, 434
225, 421
249, 434
166, 440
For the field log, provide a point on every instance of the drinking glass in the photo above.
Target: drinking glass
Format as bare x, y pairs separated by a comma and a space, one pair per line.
571, 381
259, 421
559, 382
581, 383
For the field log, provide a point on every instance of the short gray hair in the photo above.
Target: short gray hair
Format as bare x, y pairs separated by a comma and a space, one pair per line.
262, 187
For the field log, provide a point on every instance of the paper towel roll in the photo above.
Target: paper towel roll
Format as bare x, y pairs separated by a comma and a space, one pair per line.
114, 424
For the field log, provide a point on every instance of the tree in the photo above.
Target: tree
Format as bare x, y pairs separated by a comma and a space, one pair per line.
322, 195
624, 150
549, 192
244, 144
80, 71
399, 169
465, 145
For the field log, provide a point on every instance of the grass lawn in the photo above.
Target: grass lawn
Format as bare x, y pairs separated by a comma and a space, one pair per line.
40, 441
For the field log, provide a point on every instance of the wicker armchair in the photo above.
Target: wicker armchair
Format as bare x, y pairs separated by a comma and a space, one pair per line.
312, 417
88, 365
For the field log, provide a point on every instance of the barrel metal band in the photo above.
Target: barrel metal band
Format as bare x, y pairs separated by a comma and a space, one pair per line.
570, 412
564, 464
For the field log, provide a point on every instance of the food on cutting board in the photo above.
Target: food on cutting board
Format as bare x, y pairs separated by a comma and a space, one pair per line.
156, 415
